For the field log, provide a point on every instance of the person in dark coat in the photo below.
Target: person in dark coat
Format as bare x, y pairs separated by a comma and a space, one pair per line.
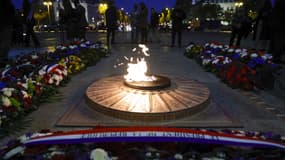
134, 24
29, 24
81, 21
263, 28
111, 22
238, 27
177, 16
154, 22
68, 20
278, 40
18, 29
142, 22
7, 13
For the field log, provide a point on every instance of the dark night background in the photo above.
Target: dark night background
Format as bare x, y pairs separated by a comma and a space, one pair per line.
128, 4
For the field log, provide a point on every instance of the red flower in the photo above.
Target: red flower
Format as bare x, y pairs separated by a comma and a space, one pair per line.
27, 102
38, 90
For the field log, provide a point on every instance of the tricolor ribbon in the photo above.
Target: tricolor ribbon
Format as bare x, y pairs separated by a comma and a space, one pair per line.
153, 134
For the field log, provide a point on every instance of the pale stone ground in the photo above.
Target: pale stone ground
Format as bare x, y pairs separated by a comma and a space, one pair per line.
252, 109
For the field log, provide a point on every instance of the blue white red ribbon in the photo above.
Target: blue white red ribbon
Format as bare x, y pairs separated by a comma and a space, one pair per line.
153, 134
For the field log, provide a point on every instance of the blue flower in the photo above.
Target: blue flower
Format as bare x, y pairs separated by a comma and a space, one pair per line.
251, 64
259, 60
2, 85
236, 56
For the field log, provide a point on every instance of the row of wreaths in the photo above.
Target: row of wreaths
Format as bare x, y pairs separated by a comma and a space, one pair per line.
237, 67
31, 79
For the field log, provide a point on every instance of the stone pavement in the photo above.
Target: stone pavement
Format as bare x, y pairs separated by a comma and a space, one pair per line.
256, 111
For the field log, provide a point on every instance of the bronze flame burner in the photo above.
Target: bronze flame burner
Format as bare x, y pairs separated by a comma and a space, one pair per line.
159, 83
160, 100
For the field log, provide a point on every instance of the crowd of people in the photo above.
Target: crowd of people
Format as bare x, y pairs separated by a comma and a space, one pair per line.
267, 27
17, 28
140, 26
72, 20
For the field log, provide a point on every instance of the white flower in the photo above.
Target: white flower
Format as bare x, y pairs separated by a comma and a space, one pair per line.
215, 61
25, 94
64, 72
238, 50
244, 50
230, 50
99, 154
8, 91
6, 101
243, 54
43, 70
178, 156
253, 55
267, 56
57, 79
58, 47
227, 60
226, 46
50, 81
83, 45
23, 138
88, 42
34, 56
206, 61
73, 46
58, 71
189, 47
25, 85
63, 48
148, 154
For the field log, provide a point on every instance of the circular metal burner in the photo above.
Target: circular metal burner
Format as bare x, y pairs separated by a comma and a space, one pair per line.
112, 97
160, 82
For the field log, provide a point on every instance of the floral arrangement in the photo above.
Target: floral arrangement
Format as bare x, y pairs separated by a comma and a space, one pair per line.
148, 148
193, 51
72, 63
31, 79
52, 74
239, 68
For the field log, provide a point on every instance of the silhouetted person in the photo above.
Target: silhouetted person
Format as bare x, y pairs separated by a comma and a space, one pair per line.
278, 41
239, 26
134, 24
263, 28
142, 22
177, 16
111, 22
18, 29
68, 19
154, 21
81, 20
29, 24
7, 13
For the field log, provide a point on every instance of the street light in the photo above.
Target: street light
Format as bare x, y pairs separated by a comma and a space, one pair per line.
238, 4
102, 8
49, 3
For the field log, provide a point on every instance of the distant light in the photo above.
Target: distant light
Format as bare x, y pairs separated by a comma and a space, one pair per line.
225, 23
